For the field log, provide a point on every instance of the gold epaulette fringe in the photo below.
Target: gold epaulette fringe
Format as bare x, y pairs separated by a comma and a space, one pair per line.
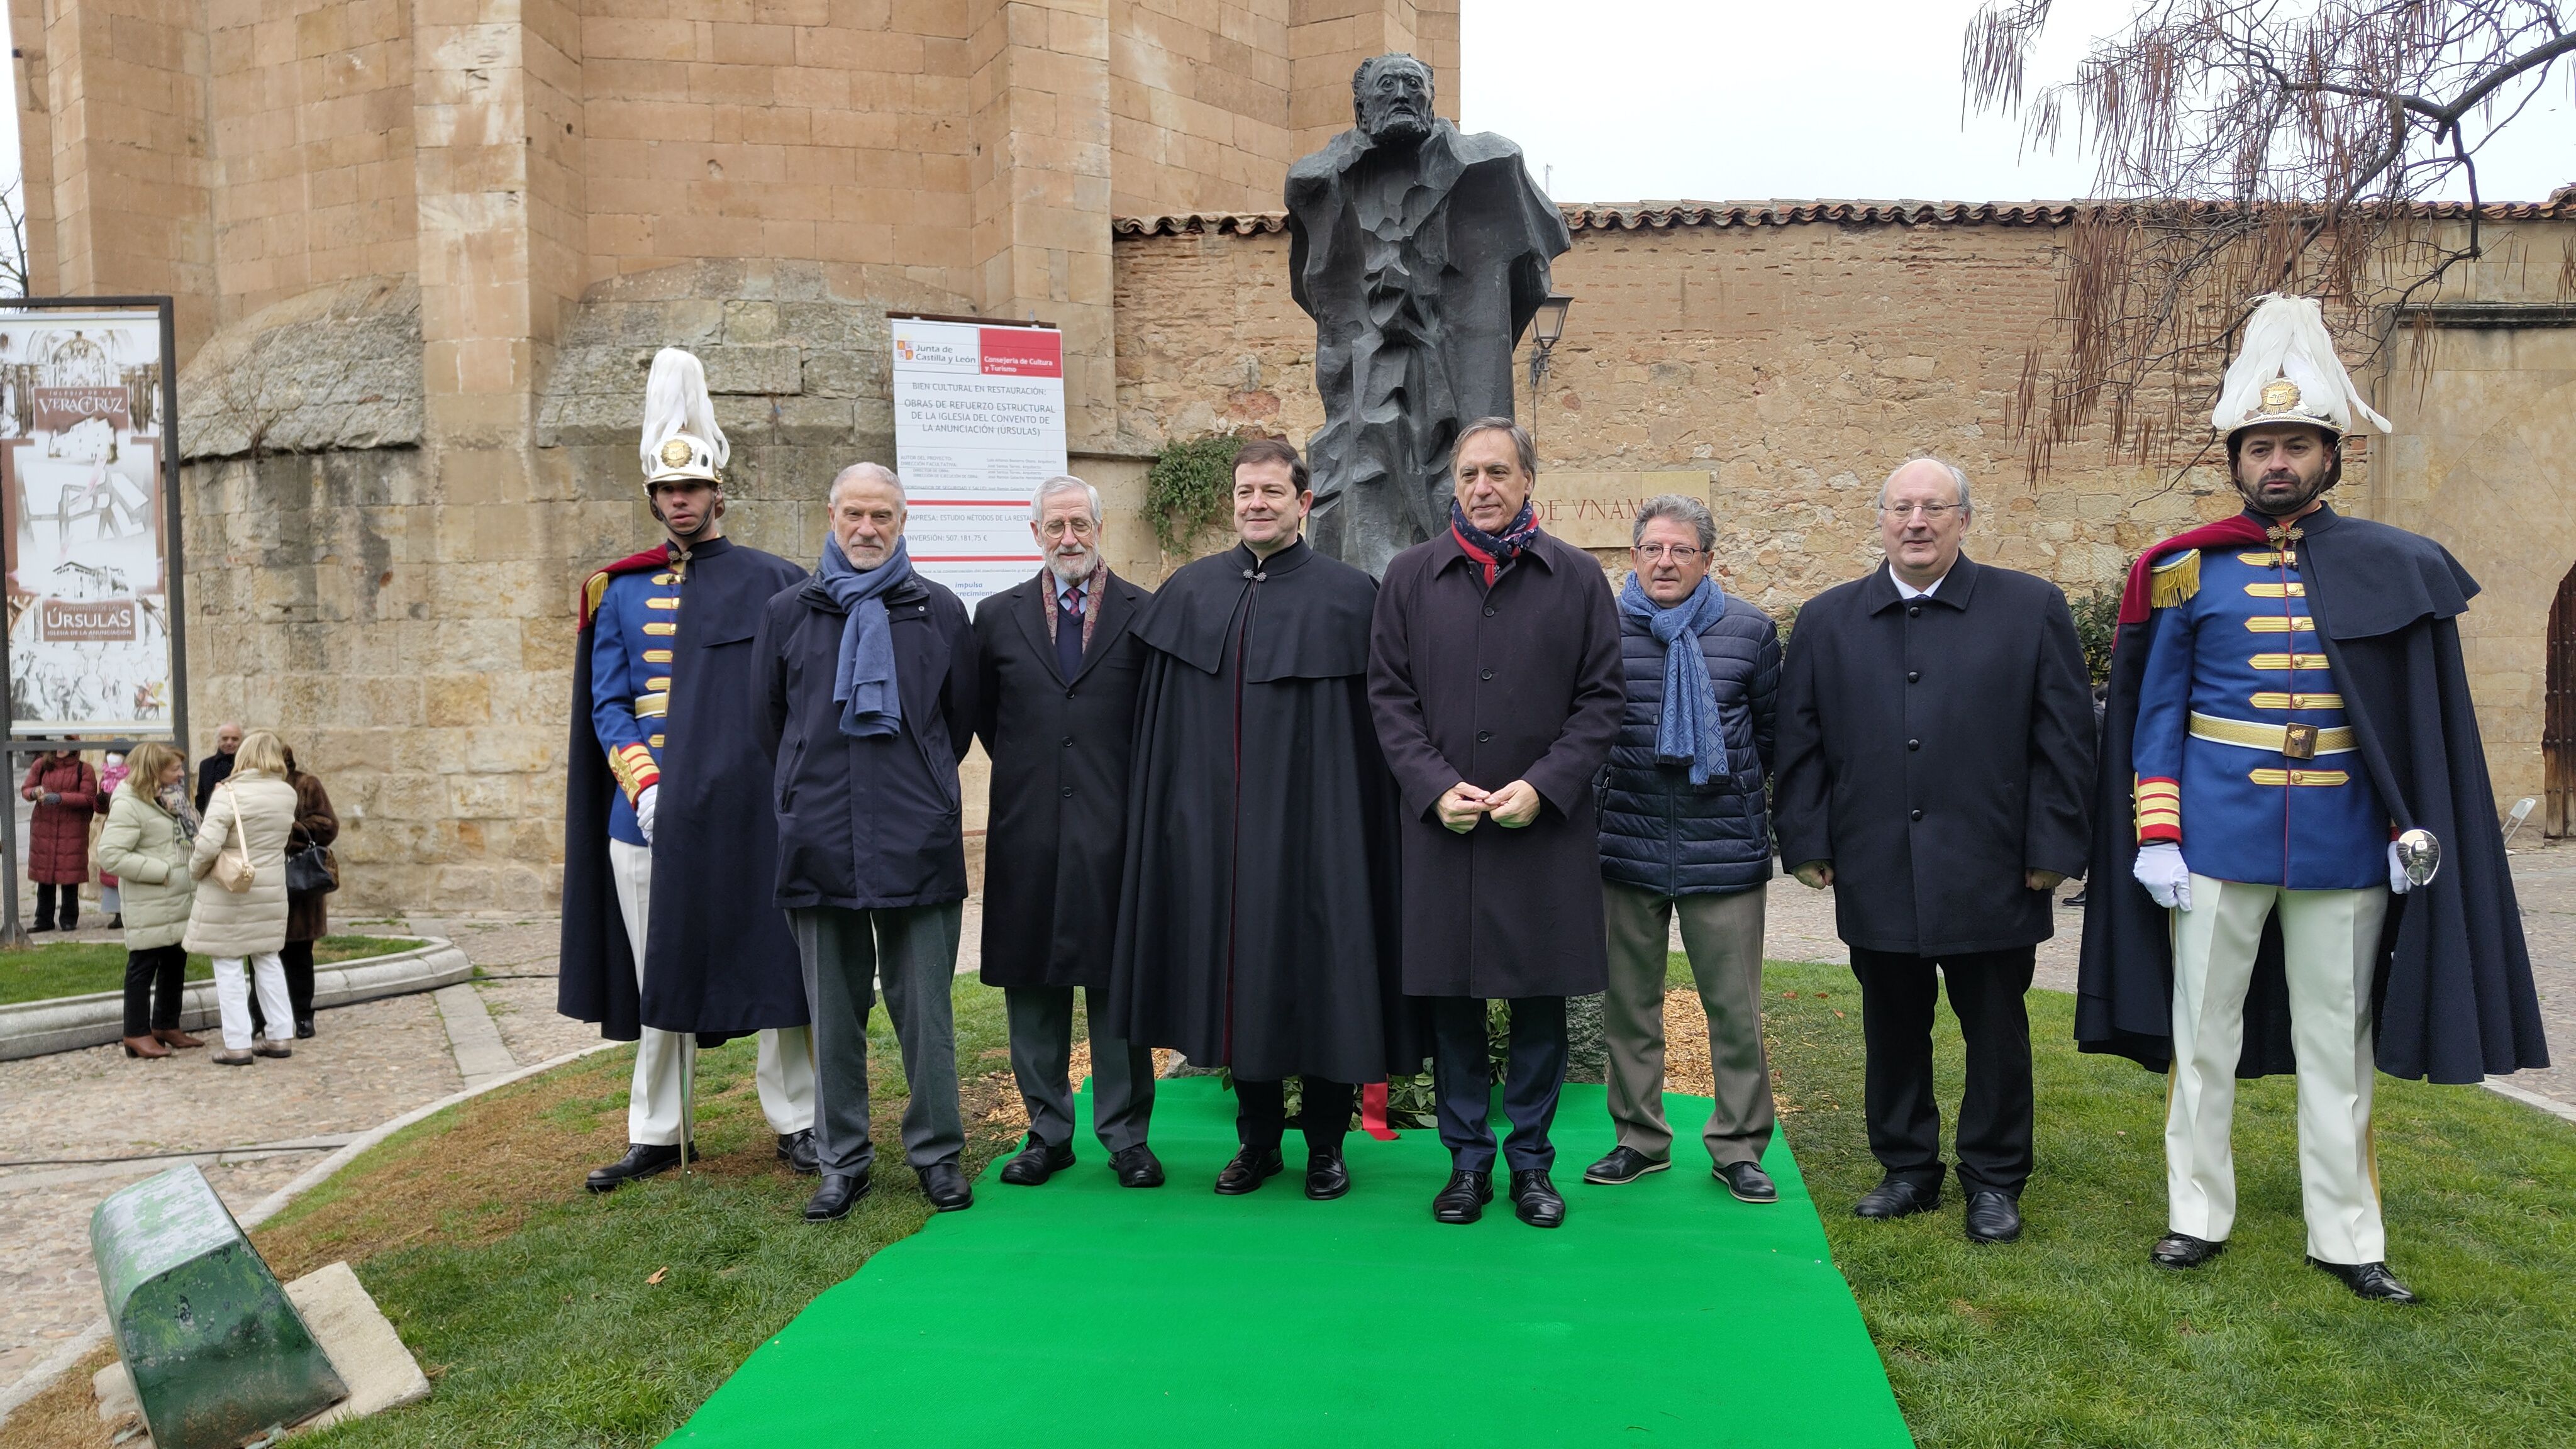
2174, 580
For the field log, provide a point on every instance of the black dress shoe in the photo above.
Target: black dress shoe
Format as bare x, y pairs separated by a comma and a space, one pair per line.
1036, 1163
303, 1028
839, 1192
2182, 1250
1896, 1198
1624, 1164
2367, 1280
1993, 1217
642, 1159
945, 1186
1137, 1166
1248, 1171
1327, 1176
797, 1150
1464, 1199
1535, 1200
1747, 1181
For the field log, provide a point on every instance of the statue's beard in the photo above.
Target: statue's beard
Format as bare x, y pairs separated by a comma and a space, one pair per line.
1400, 132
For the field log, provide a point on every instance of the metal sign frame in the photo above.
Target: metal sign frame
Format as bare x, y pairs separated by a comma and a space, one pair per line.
12, 932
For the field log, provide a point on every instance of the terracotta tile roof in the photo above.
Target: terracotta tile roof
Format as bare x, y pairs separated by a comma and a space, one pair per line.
1663, 216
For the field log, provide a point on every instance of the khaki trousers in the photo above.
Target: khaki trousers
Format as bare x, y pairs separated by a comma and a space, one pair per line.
664, 1060
2330, 941
1722, 935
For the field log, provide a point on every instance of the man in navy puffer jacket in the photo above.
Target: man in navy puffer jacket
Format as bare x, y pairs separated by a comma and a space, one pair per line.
1685, 827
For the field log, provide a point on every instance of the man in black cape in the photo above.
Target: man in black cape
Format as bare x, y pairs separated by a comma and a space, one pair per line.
1421, 253
2349, 648
1257, 925
669, 844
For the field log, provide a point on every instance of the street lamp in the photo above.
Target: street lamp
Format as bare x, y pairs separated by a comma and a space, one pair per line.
1547, 326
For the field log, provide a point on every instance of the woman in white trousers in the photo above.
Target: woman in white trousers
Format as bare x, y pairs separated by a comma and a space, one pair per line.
244, 930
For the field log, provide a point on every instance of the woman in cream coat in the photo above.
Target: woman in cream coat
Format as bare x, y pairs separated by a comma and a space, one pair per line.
248, 926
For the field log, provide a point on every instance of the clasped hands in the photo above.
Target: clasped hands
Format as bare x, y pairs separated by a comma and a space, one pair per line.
1511, 807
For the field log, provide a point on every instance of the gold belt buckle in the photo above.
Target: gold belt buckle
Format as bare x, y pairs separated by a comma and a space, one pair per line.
2299, 741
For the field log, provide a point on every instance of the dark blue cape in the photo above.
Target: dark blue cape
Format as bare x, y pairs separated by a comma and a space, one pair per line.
2454, 999
721, 961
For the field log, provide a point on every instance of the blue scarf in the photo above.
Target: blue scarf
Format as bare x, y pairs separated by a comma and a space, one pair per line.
1690, 731
863, 683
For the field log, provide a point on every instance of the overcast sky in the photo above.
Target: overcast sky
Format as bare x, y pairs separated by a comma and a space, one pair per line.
1718, 100
1729, 100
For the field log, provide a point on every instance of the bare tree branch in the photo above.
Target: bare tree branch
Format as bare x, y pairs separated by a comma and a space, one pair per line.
2248, 146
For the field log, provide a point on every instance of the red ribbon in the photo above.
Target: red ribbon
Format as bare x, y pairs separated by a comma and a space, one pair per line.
1373, 1112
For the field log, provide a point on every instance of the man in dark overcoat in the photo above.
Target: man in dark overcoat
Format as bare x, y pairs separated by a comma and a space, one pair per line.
1257, 907
1495, 680
1935, 753
1060, 666
867, 702
670, 939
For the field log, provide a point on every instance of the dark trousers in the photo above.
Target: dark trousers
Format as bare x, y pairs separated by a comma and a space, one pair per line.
1261, 1114
154, 979
1897, 996
45, 891
1463, 1082
297, 958
1122, 1076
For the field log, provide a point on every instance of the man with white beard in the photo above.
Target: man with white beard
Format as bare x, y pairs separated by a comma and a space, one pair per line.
1060, 672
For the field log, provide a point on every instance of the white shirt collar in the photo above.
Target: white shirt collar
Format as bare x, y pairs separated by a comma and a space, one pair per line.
1905, 590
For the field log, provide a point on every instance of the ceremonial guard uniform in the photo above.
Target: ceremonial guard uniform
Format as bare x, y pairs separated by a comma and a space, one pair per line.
2287, 706
669, 933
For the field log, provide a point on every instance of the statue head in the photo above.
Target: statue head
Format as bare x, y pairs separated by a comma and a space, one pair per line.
1391, 100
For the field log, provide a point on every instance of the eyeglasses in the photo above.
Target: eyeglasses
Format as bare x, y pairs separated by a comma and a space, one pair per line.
1680, 553
1932, 512
1058, 527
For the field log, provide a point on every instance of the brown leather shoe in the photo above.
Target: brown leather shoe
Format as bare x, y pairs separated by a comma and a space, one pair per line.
144, 1046
171, 1036
267, 1048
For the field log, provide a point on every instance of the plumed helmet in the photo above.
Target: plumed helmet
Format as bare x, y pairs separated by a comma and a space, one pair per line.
681, 439
2287, 372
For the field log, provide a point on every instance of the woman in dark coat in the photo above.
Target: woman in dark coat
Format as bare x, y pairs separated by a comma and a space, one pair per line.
65, 790
308, 913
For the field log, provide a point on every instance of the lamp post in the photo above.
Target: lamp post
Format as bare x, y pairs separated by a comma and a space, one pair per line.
1547, 326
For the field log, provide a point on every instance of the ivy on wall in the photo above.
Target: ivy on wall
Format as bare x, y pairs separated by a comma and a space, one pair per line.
1190, 489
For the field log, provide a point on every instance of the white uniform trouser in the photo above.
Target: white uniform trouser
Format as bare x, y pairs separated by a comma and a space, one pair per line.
664, 1059
2331, 943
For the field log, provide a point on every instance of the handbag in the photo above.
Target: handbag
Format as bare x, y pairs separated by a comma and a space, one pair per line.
312, 870
233, 870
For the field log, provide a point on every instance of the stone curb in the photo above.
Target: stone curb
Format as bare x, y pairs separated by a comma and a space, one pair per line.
69, 1023
42, 1376
2530, 1098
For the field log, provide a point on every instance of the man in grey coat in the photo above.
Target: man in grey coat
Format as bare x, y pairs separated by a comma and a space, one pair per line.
1686, 831
867, 703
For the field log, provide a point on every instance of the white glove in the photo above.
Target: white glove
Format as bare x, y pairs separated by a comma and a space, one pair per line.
2398, 884
2161, 870
644, 811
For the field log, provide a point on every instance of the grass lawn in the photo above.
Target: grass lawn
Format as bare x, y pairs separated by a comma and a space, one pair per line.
535, 1307
78, 968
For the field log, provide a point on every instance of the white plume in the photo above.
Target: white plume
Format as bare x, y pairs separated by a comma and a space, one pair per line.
2286, 337
676, 401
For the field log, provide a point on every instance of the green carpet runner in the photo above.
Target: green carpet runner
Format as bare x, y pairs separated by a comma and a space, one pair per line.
1080, 1313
